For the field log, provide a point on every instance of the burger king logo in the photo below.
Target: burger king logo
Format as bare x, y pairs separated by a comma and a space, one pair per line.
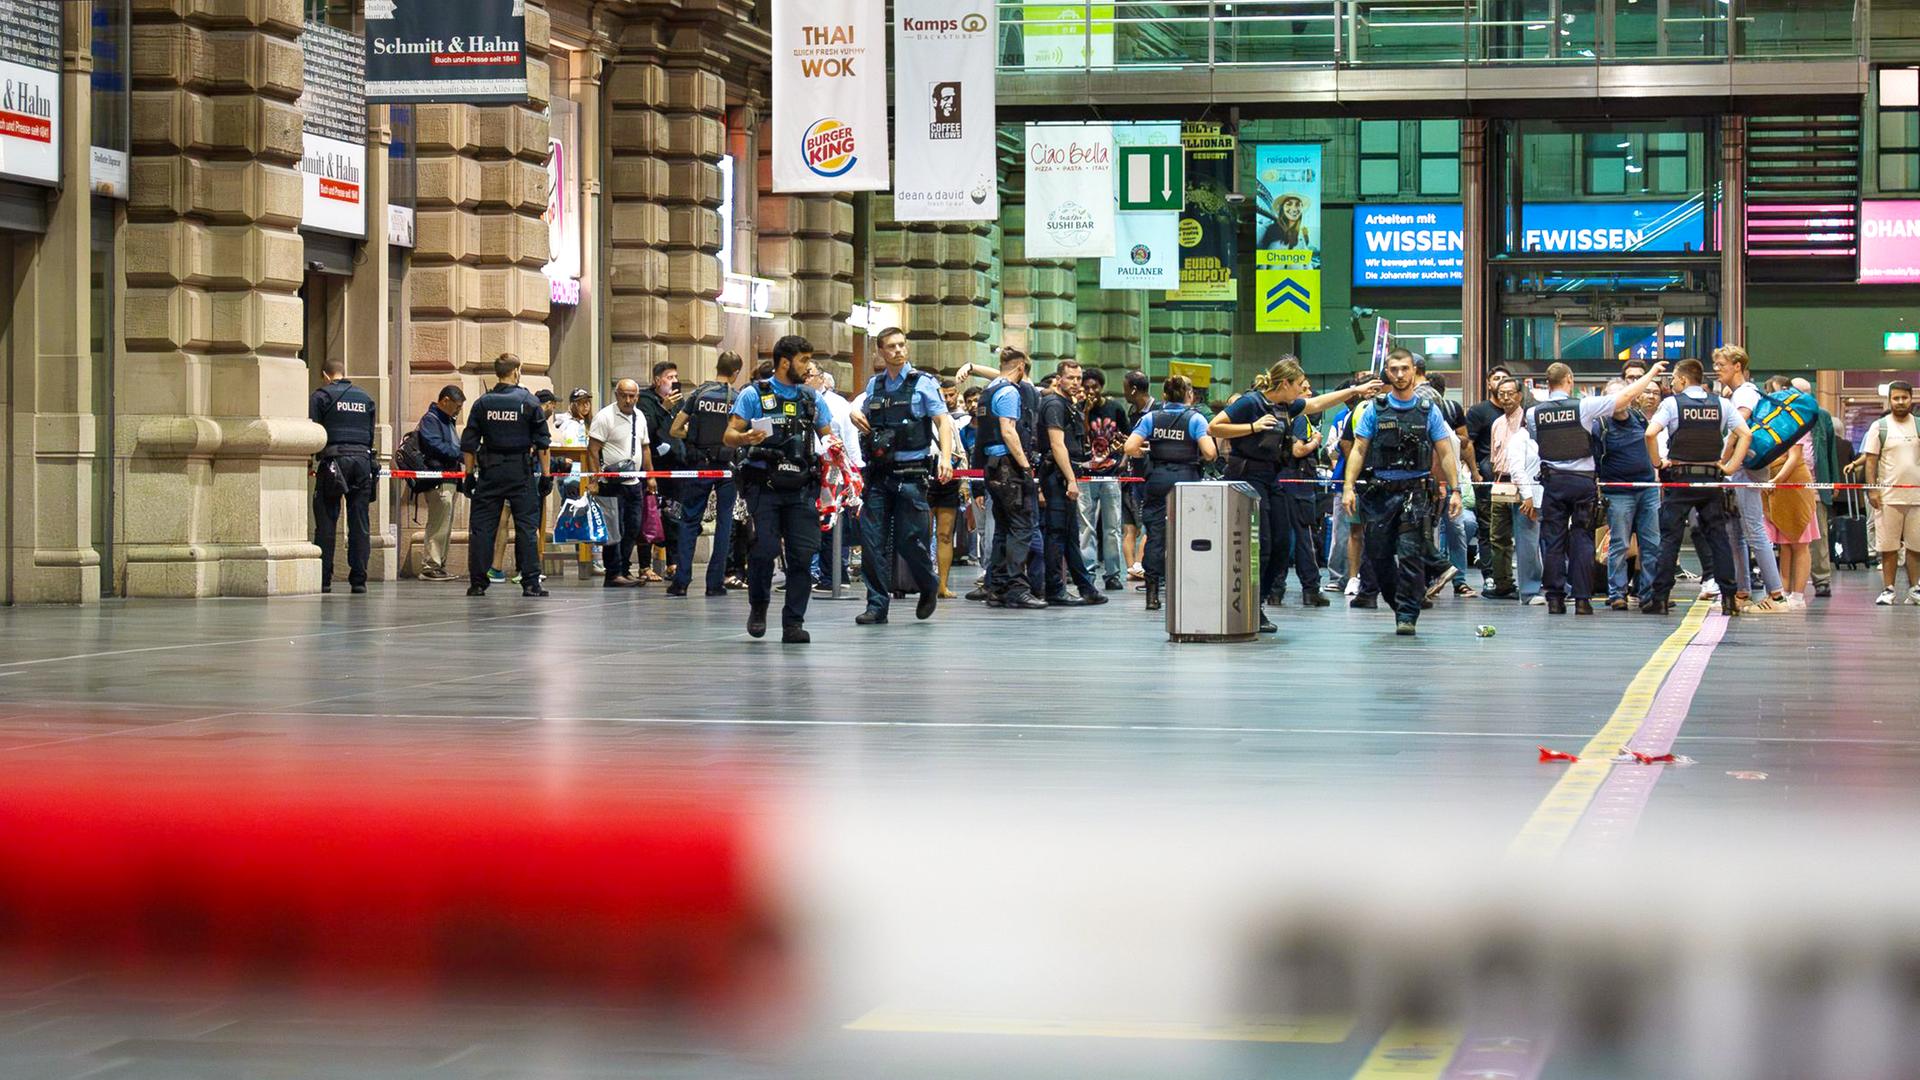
827, 147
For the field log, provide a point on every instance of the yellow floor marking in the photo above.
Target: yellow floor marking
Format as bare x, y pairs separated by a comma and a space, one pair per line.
1328, 1029
1403, 1050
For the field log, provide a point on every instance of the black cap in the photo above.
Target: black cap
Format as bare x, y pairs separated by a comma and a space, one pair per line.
581, 392
544, 396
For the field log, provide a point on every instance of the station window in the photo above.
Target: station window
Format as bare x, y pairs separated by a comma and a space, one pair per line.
334, 13
1666, 163
1380, 157
1898, 121
1439, 157
1610, 155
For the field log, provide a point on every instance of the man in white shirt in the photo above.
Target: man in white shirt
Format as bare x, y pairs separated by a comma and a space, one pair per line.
1518, 460
618, 441
1751, 543
1892, 450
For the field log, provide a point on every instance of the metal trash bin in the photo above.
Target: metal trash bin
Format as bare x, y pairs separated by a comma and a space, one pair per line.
1213, 555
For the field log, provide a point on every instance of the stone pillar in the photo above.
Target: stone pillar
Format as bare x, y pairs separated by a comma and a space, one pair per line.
694, 108
806, 245
1107, 325
636, 186
1038, 306
369, 352
1478, 213
212, 392
52, 454
1733, 229
938, 273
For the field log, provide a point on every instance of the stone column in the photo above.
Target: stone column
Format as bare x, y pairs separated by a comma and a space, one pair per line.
1733, 229
806, 245
1107, 323
1475, 291
939, 272
212, 392
369, 354
1038, 307
52, 453
695, 109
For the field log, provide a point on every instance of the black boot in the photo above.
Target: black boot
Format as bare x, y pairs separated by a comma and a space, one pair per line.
1153, 596
1728, 605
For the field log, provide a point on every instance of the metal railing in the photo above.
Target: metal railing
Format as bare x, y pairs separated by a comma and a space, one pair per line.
1186, 34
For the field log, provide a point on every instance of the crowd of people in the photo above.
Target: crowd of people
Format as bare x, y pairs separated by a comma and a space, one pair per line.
1379, 489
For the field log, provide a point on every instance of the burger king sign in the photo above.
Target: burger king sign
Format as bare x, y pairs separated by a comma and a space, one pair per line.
830, 96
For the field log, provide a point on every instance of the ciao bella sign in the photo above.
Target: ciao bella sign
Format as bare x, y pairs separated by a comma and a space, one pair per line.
1070, 192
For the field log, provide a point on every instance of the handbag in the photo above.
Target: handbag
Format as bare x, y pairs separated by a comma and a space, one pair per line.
609, 507
1505, 494
580, 522
652, 529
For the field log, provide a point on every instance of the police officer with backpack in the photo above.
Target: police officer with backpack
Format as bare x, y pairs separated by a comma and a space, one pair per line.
344, 471
505, 445
903, 420
1566, 430
701, 425
1707, 441
1006, 446
1174, 440
775, 422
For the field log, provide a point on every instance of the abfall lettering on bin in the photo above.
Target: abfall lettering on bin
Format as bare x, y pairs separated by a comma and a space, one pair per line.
1416, 244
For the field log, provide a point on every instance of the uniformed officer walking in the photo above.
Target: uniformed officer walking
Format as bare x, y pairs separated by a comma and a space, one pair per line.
775, 421
904, 417
1400, 441
1707, 441
344, 471
1174, 440
1565, 430
1263, 423
505, 445
701, 425
1063, 457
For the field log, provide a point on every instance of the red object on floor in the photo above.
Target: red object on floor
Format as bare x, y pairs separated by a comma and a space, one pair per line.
1555, 755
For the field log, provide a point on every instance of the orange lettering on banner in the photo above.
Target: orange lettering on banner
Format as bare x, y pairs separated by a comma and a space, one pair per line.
335, 189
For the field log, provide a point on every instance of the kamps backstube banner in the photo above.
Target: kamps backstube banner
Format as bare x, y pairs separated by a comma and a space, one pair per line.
830, 95
1070, 201
943, 106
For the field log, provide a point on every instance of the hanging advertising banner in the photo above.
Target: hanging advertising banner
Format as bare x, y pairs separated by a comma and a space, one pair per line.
1209, 244
1146, 242
1382, 344
1059, 35
1069, 191
830, 96
333, 166
30, 42
1889, 241
432, 50
1286, 220
943, 112
563, 202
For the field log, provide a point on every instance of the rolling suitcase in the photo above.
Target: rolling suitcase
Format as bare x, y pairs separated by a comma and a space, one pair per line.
1849, 532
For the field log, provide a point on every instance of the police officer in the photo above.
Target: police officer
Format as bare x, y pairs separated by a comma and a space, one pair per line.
701, 427
1263, 424
505, 445
1566, 430
344, 471
775, 421
1174, 440
1707, 442
1063, 455
1401, 442
902, 415
1010, 410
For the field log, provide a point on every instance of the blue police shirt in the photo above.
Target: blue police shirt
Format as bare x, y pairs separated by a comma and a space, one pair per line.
747, 405
1005, 403
927, 401
1248, 407
1437, 430
1196, 424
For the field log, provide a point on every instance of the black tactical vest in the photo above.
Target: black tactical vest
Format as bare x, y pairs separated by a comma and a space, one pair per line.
709, 411
1558, 430
349, 418
1697, 439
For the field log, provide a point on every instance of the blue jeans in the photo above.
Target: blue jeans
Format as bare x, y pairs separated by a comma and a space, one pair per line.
1526, 553
1100, 527
895, 523
1453, 535
1632, 512
693, 506
1749, 532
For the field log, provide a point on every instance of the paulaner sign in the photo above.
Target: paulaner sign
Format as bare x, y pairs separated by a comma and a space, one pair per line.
446, 50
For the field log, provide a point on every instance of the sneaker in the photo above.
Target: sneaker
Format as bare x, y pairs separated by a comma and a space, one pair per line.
1501, 594
1353, 587
1822, 589
496, 576
1913, 595
1403, 627
1710, 591
1765, 606
1796, 602
435, 575
1536, 600
1136, 572
1688, 576
1885, 599
1113, 584
1439, 583
1364, 602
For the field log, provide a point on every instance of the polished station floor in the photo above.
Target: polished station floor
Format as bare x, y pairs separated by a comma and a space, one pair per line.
991, 844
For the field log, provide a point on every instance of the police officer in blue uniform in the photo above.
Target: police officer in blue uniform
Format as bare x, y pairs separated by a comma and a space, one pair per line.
505, 445
1565, 431
1401, 441
343, 473
701, 425
775, 421
1063, 457
1270, 445
1007, 435
1174, 440
1707, 441
903, 419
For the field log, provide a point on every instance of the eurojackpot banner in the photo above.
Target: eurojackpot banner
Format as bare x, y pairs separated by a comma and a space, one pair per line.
830, 96
435, 51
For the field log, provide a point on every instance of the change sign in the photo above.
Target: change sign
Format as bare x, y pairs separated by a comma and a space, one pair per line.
433, 50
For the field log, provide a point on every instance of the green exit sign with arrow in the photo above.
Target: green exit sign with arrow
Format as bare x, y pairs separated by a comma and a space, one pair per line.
1152, 178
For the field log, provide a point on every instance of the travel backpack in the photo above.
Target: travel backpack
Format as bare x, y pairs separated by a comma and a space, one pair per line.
410, 456
1779, 420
